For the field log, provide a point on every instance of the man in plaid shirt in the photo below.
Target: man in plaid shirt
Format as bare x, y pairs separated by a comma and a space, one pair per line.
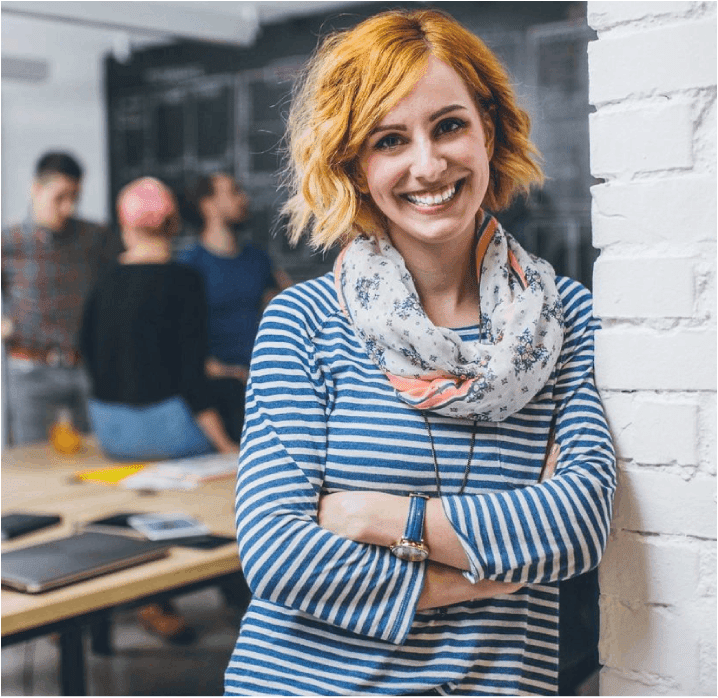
49, 264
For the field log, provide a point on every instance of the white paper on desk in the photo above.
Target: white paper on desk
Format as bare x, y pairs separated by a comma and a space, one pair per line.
182, 474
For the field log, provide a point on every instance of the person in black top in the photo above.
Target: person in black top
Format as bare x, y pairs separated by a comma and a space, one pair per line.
144, 341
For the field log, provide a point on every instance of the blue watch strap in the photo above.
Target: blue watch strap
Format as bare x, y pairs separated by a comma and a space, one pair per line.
414, 530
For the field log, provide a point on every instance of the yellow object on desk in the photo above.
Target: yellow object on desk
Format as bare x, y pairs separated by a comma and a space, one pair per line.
110, 476
63, 435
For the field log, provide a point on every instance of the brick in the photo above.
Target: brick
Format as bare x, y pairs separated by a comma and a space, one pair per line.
705, 618
653, 501
650, 569
654, 138
707, 434
603, 15
653, 430
661, 641
707, 572
621, 287
645, 359
644, 212
612, 682
704, 139
666, 59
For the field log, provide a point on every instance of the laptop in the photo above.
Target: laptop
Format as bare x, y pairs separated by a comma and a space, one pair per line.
63, 561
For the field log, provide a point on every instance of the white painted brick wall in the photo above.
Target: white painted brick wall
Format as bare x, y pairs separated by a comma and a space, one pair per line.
659, 639
636, 287
673, 423
670, 569
652, 75
626, 212
638, 358
657, 60
653, 138
601, 16
663, 502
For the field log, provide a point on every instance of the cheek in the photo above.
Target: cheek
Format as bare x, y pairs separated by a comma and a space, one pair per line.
381, 175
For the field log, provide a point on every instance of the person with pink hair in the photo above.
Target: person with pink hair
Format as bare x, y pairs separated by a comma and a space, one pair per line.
144, 341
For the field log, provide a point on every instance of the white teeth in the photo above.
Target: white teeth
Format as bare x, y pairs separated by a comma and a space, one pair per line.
432, 200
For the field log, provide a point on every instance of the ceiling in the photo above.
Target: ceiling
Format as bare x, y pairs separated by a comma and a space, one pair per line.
228, 21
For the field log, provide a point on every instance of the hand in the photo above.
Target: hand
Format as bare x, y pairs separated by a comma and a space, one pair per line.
551, 461
229, 447
446, 586
380, 519
363, 516
216, 369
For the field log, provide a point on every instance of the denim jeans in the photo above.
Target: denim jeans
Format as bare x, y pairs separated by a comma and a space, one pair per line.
36, 392
159, 431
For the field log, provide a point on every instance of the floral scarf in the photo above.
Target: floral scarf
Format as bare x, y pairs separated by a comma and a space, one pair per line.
431, 367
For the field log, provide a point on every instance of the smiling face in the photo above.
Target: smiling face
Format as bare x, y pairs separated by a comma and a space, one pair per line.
426, 162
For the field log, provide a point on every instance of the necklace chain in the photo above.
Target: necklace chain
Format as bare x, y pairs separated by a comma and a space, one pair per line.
436, 462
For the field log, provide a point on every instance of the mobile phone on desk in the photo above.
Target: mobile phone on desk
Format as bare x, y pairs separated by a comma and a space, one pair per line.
167, 526
116, 524
20, 523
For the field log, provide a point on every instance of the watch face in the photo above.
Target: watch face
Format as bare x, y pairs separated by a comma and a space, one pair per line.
413, 552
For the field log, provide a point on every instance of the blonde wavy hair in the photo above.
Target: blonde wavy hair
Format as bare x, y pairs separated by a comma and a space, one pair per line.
353, 80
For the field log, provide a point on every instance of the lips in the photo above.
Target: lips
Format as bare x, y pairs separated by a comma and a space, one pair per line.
436, 198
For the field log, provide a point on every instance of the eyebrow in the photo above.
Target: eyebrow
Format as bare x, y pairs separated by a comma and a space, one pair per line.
432, 117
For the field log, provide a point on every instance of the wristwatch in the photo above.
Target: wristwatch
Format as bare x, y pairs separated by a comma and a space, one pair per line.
411, 546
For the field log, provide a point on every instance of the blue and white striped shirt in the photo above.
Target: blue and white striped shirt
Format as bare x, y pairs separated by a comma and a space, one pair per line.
330, 616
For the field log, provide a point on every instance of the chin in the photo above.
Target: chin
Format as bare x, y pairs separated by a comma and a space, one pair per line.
441, 231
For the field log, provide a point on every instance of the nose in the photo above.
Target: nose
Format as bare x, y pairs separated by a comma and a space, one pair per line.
428, 163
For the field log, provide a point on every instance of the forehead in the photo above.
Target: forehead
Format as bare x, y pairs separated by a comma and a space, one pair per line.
438, 86
59, 185
224, 183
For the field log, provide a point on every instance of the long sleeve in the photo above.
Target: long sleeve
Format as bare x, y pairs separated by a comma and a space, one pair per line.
9, 253
288, 559
556, 529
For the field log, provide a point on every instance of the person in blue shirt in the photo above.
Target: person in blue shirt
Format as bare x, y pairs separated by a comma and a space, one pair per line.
239, 282
425, 456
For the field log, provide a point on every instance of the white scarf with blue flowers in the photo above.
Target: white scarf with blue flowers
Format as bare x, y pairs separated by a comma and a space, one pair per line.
431, 367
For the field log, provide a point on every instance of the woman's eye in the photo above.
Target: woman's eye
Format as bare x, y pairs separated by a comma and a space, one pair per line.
450, 125
390, 141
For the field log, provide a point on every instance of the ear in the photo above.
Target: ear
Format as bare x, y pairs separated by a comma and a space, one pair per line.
489, 132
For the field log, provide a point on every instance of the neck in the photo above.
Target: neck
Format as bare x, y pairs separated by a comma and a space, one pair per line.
445, 279
50, 226
148, 252
217, 237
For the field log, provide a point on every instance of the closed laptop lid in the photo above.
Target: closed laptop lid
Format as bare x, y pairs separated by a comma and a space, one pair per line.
63, 561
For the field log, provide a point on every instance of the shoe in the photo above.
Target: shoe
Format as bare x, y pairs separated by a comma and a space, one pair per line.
165, 624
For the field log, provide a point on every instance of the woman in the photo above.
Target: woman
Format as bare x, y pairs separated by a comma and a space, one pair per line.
397, 519
239, 281
144, 341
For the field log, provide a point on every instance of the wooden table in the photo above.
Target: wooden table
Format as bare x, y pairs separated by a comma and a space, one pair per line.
38, 480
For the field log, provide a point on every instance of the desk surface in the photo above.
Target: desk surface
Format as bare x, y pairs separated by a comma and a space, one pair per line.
38, 480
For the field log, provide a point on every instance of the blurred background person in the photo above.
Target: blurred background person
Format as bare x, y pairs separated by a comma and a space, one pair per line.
240, 280
144, 339
49, 263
